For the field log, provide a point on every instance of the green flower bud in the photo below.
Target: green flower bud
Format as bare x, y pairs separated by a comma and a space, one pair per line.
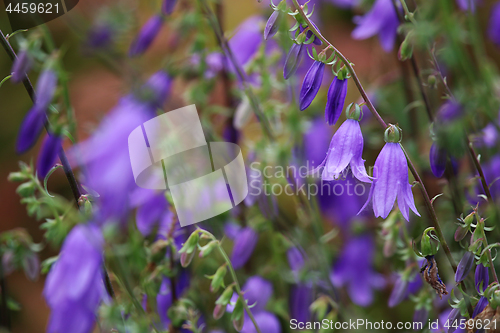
26, 189
191, 243
186, 258
219, 311
237, 315
431, 81
218, 278
406, 49
225, 298
18, 177
207, 249
393, 134
238, 324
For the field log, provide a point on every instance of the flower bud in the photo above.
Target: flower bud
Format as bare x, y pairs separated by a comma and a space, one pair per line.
238, 324
146, 36
8, 262
481, 278
293, 59
464, 266
48, 154
31, 266
320, 307
218, 278
21, 65
406, 49
191, 243
26, 189
18, 177
453, 317
168, 6
272, 25
392, 134
437, 158
225, 297
399, 292
219, 311
311, 84
481, 304
207, 249
186, 258
431, 81
460, 233
237, 315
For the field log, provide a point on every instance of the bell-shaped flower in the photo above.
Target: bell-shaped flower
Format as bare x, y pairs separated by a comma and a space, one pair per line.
345, 150
146, 36
391, 179
311, 84
481, 278
48, 154
293, 59
244, 244
335, 99
74, 286
383, 20
494, 25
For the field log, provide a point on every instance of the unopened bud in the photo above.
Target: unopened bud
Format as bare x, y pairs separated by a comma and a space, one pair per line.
186, 258
18, 177
191, 243
218, 278
219, 311
26, 189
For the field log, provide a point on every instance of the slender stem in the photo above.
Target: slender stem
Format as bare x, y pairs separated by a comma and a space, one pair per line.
214, 22
490, 259
479, 169
382, 123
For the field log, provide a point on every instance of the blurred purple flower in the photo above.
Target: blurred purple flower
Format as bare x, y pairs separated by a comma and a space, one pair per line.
167, 7
256, 290
295, 259
481, 276
293, 60
301, 298
494, 25
345, 150
311, 84
383, 20
74, 286
354, 268
146, 36
33, 122
420, 316
100, 36
403, 288
346, 4
244, 244
154, 213
391, 181
449, 316
246, 40
449, 111
466, 5
47, 157
316, 141
438, 157
488, 136
335, 100
266, 321
21, 66
464, 266
164, 298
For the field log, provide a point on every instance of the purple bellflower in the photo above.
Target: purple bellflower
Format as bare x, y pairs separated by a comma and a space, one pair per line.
244, 244
494, 25
335, 100
100, 36
35, 118
464, 266
272, 25
481, 278
21, 66
466, 5
146, 36
345, 150
293, 60
246, 40
481, 304
311, 84
167, 7
391, 179
437, 159
383, 20
74, 286
51, 146
354, 268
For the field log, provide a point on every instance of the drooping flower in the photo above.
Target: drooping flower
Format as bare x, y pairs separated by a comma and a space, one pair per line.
464, 266
311, 84
21, 66
335, 100
494, 25
345, 150
301, 298
74, 286
354, 268
244, 244
481, 278
383, 20
293, 59
48, 154
35, 118
167, 7
146, 36
272, 25
391, 179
